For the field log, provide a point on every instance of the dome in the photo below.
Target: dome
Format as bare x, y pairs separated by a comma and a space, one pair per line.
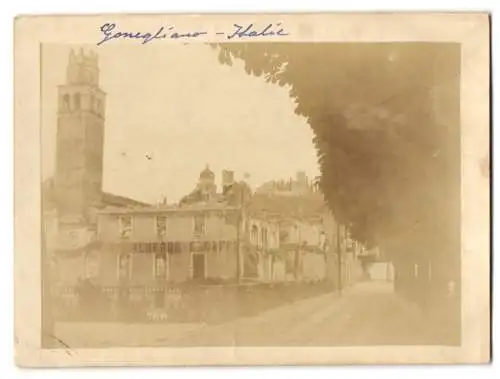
207, 174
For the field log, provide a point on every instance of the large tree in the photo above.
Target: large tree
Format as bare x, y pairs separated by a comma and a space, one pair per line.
385, 119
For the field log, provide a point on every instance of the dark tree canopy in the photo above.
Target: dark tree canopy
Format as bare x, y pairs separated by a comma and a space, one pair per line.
386, 124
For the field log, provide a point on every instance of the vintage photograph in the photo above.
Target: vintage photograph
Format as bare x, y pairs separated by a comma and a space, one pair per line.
272, 194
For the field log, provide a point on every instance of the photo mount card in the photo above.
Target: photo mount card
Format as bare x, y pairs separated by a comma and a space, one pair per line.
252, 189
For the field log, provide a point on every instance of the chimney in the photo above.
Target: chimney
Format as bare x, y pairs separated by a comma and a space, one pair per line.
301, 178
227, 179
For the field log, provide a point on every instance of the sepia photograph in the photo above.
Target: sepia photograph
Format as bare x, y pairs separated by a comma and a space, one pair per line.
250, 193
332, 217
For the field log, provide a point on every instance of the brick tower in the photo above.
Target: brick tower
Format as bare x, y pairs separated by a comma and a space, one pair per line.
80, 137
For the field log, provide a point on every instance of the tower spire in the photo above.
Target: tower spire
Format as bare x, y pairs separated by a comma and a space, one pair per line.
82, 68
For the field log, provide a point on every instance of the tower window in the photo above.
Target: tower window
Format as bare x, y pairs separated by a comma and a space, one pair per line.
65, 103
78, 101
92, 103
99, 107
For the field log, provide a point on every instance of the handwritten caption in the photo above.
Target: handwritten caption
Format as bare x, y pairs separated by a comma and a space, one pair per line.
110, 32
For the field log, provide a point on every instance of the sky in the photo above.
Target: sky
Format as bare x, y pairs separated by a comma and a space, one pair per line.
177, 104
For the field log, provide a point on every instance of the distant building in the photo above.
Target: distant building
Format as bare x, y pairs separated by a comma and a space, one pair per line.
310, 239
206, 184
300, 253
262, 245
298, 187
227, 180
205, 192
302, 242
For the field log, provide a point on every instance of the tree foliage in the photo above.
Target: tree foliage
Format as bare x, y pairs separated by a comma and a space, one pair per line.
385, 121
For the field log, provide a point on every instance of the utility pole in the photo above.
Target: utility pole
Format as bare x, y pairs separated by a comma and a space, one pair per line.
238, 232
238, 248
339, 256
298, 252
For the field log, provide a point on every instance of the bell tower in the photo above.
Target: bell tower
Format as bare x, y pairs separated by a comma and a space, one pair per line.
80, 136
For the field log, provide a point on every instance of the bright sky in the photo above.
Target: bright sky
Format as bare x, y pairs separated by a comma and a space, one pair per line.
178, 104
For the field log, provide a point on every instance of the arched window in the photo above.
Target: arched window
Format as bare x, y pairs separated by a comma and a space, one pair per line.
65, 102
99, 107
92, 104
78, 101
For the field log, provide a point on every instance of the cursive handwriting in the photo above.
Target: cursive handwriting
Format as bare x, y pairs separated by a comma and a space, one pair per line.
250, 31
109, 32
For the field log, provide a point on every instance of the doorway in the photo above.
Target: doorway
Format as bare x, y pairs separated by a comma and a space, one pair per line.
159, 300
199, 266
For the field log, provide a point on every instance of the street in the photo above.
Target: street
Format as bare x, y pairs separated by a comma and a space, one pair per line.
368, 313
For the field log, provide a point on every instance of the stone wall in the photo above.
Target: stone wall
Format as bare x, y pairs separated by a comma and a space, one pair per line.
189, 303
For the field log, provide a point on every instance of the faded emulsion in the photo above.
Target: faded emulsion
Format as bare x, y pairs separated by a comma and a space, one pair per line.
323, 210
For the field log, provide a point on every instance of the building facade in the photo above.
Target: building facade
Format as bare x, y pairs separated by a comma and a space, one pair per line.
299, 254
261, 246
148, 252
177, 243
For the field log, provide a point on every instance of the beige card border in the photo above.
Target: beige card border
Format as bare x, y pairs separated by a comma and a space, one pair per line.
471, 30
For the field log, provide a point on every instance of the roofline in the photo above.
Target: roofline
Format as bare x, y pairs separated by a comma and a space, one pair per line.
119, 198
153, 210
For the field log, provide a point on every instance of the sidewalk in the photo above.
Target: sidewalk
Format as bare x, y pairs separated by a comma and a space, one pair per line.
369, 313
